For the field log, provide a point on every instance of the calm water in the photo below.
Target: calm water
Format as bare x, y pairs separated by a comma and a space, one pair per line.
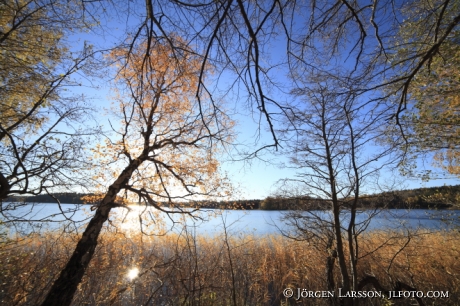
209, 222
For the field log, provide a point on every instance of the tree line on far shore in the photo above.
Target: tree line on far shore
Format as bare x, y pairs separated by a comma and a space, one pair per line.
443, 197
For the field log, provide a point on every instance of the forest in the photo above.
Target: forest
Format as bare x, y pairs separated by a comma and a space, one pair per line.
148, 102
443, 197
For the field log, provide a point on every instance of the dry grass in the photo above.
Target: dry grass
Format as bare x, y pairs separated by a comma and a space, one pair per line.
189, 270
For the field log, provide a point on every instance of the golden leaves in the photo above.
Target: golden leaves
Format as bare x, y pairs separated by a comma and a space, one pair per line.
434, 116
30, 49
164, 125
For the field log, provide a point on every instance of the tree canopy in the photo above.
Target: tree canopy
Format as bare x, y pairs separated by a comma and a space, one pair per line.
432, 120
30, 51
366, 72
36, 69
164, 148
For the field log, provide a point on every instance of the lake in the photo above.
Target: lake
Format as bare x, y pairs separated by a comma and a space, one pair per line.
209, 222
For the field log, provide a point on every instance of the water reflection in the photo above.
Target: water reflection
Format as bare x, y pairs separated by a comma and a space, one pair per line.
150, 221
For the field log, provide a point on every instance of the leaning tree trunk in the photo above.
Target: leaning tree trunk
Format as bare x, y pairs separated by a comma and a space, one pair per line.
63, 289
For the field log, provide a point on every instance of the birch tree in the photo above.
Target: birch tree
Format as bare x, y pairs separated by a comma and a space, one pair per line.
165, 149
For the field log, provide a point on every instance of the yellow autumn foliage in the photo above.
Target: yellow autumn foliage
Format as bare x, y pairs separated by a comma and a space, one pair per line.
433, 121
30, 48
163, 123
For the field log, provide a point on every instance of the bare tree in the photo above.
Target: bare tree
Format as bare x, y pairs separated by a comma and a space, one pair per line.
240, 38
333, 140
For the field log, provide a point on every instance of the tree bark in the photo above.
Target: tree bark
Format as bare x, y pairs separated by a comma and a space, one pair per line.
330, 262
4, 187
63, 289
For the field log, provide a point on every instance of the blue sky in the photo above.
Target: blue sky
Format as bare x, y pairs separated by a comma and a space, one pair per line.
255, 178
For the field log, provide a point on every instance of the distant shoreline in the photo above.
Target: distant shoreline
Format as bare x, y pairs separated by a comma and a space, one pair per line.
434, 208
444, 197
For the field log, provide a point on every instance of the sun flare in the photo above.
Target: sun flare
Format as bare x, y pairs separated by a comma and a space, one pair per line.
133, 273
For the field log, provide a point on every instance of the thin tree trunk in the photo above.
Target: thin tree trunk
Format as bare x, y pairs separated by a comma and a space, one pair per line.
340, 249
335, 207
352, 241
330, 262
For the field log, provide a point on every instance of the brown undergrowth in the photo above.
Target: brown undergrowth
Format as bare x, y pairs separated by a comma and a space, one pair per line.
185, 269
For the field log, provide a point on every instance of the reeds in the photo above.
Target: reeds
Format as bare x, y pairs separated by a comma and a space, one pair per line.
186, 269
